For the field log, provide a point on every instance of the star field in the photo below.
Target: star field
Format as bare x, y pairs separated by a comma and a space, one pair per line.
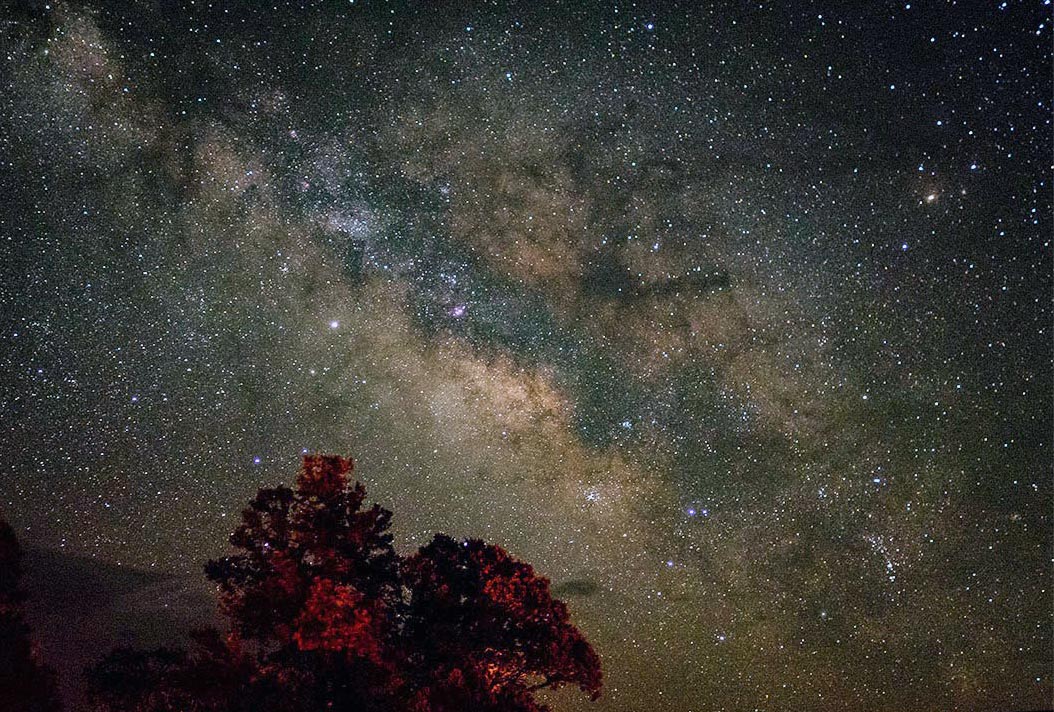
733, 320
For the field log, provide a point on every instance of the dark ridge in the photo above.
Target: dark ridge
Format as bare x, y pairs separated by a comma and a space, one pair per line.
80, 608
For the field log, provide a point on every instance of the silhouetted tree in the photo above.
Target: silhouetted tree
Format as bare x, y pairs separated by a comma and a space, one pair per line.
324, 615
218, 674
483, 631
26, 684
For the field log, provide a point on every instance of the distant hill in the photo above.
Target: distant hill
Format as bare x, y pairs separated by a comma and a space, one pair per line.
80, 608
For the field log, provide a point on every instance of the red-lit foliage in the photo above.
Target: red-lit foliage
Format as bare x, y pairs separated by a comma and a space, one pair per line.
292, 540
325, 615
26, 684
483, 626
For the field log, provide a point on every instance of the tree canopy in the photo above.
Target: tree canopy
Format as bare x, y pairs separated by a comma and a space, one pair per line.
324, 614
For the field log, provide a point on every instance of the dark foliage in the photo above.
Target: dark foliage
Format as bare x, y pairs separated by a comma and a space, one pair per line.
472, 603
324, 615
26, 684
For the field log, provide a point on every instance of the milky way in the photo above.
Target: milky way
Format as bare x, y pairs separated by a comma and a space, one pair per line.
734, 321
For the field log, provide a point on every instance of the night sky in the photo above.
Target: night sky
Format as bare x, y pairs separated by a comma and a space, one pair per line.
734, 320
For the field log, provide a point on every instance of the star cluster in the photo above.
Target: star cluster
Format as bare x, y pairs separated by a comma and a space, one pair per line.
732, 319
